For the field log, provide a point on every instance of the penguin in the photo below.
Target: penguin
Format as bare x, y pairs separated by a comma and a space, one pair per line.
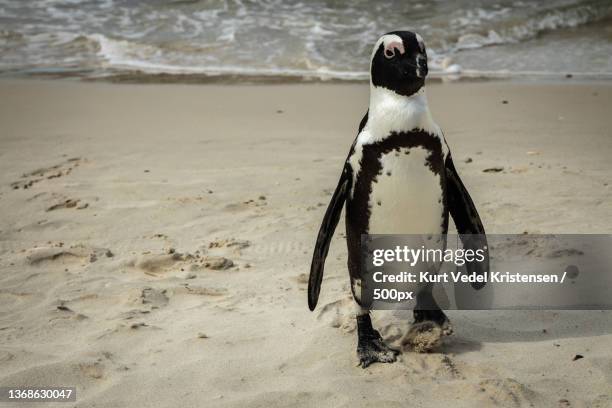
398, 178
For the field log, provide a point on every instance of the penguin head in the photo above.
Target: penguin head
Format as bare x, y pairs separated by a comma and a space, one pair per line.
399, 62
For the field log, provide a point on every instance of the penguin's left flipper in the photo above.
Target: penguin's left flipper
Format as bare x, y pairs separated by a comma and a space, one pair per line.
467, 220
326, 232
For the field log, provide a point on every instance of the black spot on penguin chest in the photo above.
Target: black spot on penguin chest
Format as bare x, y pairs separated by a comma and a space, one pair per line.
371, 168
358, 209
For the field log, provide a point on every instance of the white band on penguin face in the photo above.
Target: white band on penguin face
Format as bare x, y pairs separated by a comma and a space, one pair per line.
386, 40
392, 48
420, 41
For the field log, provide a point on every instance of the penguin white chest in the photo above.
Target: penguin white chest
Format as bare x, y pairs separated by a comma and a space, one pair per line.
407, 195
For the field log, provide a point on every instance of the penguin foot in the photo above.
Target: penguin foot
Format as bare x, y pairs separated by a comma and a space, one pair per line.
370, 346
437, 316
423, 337
375, 350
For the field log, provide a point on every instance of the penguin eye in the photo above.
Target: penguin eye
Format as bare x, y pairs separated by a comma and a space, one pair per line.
389, 53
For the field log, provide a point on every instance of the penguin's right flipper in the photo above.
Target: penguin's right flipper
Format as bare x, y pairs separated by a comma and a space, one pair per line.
468, 222
326, 232
328, 226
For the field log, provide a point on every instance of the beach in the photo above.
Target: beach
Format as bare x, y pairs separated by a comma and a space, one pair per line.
155, 243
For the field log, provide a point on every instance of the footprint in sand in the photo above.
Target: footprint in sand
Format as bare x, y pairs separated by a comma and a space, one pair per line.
44, 255
433, 365
217, 263
69, 203
63, 255
339, 314
159, 264
155, 298
229, 243
47, 173
219, 249
506, 392
65, 312
154, 264
97, 366
94, 369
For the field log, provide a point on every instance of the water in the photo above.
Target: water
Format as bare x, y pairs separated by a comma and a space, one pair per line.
313, 39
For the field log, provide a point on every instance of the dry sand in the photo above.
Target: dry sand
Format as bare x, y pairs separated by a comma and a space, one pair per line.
123, 205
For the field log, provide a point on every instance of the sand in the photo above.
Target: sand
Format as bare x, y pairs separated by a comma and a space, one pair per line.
154, 241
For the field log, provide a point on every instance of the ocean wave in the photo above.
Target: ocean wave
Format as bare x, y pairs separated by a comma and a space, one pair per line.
542, 22
274, 38
126, 55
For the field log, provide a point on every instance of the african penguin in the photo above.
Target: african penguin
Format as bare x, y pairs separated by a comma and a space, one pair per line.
398, 178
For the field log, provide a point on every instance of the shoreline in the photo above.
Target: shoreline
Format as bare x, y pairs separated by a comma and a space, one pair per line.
139, 77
